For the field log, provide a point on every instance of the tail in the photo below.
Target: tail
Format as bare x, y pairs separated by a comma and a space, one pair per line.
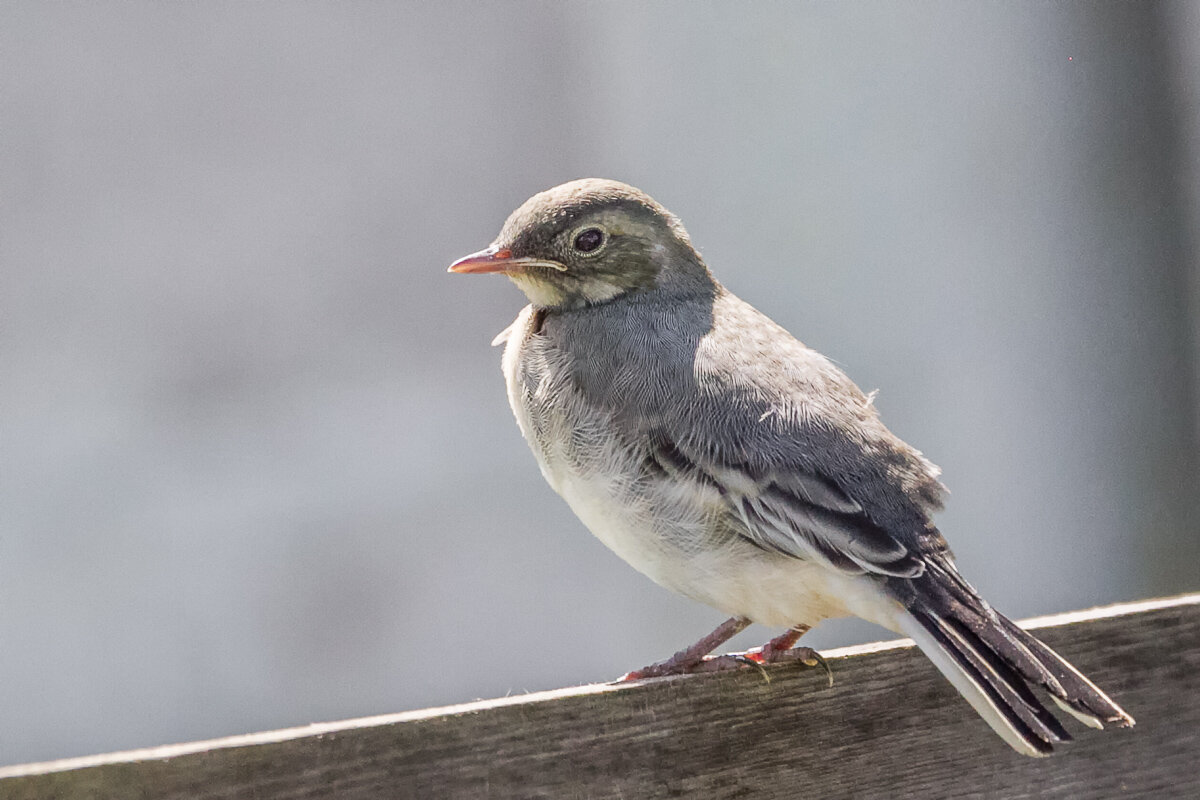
992, 662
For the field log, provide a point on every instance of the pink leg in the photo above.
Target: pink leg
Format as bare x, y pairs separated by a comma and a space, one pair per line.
782, 649
690, 659
779, 650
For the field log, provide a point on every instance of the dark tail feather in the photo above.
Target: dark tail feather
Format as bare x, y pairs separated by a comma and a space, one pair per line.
992, 662
1005, 692
1079, 696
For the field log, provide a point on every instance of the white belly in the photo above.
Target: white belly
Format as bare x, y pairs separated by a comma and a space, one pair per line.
735, 577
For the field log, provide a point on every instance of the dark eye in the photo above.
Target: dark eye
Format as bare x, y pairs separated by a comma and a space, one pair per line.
589, 240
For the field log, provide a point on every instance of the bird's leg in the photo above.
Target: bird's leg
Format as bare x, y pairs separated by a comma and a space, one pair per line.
782, 649
691, 658
779, 650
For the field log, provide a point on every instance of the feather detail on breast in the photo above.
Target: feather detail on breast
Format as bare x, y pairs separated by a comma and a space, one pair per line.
673, 528
535, 373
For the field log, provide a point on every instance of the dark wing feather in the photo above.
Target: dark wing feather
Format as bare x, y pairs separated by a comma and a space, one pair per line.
798, 514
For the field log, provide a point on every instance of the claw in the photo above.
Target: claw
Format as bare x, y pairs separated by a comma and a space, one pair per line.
817, 658
747, 660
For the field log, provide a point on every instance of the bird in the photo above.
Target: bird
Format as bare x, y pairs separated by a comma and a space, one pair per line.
728, 462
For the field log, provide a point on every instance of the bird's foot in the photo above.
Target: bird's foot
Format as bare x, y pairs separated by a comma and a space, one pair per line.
682, 663
765, 655
758, 657
677, 666
777, 651
805, 655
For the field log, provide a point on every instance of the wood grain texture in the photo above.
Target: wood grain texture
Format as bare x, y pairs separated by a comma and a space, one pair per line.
890, 727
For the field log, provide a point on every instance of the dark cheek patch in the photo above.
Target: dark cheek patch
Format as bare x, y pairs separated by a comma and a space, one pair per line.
629, 264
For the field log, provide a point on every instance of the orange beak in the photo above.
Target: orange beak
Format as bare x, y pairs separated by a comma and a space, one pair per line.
494, 260
489, 260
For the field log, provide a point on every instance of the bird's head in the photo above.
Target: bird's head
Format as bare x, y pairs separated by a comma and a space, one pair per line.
590, 241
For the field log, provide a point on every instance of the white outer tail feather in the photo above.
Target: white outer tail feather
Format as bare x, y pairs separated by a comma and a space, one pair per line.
1086, 719
966, 685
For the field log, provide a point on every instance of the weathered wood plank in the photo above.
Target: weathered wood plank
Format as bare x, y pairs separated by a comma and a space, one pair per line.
890, 727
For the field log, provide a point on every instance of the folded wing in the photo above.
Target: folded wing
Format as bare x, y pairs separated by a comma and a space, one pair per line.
795, 513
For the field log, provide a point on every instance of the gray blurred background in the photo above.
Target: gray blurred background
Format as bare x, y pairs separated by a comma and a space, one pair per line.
256, 464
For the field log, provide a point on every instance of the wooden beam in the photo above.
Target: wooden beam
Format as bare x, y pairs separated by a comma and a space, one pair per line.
890, 727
